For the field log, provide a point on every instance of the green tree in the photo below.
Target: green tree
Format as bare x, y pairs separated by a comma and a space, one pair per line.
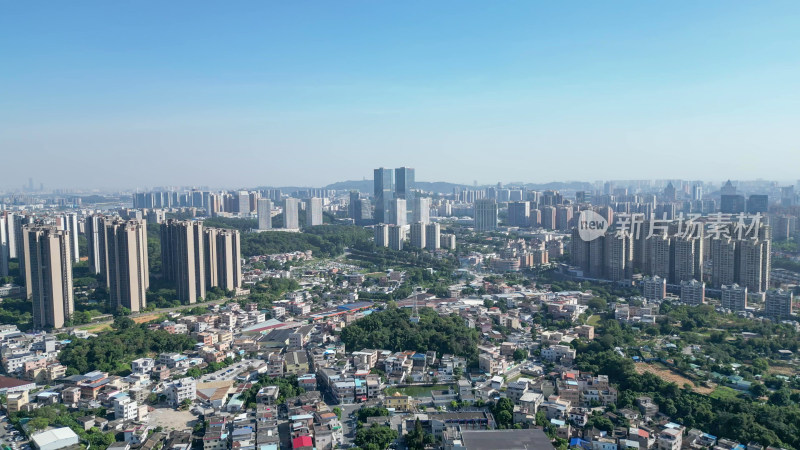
598, 304
503, 411
38, 423
372, 411
780, 397
418, 439
375, 437
758, 390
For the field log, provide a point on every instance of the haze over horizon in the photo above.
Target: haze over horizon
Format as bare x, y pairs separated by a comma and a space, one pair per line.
287, 94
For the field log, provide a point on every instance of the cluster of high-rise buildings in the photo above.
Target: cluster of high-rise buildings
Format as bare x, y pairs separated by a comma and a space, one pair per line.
422, 235
291, 213
399, 212
11, 234
395, 200
243, 203
676, 255
194, 258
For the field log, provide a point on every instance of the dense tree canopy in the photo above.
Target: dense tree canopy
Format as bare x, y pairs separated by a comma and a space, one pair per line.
376, 437
774, 423
58, 416
392, 330
287, 388
323, 240
112, 351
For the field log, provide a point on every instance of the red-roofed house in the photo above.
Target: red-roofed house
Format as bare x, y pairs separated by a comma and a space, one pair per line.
303, 442
9, 385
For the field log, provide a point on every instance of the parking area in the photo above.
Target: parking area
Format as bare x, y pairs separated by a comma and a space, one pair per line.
10, 437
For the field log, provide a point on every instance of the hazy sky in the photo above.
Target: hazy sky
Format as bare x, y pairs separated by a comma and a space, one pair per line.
235, 93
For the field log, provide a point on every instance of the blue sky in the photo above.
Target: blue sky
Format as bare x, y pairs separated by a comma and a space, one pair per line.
135, 94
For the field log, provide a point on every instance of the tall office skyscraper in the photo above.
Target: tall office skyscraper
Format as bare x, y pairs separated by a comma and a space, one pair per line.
641, 258
128, 272
549, 217
563, 217
697, 192
618, 257
421, 212
3, 247
223, 251
20, 220
404, 180
383, 184
398, 213
354, 205
313, 211
658, 249
485, 215
243, 202
757, 203
579, 251
723, 261
366, 212
535, 218
418, 236
732, 204
291, 213
69, 222
433, 236
254, 196
519, 214
48, 275
669, 193
214, 204
754, 264
405, 183
182, 260
687, 260
11, 235
783, 227
397, 236
597, 250
264, 211
198, 198
382, 235
94, 227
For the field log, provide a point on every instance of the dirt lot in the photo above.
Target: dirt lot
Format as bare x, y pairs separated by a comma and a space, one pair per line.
147, 318
783, 370
96, 328
170, 419
668, 375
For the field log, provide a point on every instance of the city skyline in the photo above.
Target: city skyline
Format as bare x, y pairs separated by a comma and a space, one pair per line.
459, 90
650, 183
450, 225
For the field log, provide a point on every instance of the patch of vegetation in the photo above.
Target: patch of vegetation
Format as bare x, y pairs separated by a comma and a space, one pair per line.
58, 415
112, 351
392, 329
417, 391
288, 388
